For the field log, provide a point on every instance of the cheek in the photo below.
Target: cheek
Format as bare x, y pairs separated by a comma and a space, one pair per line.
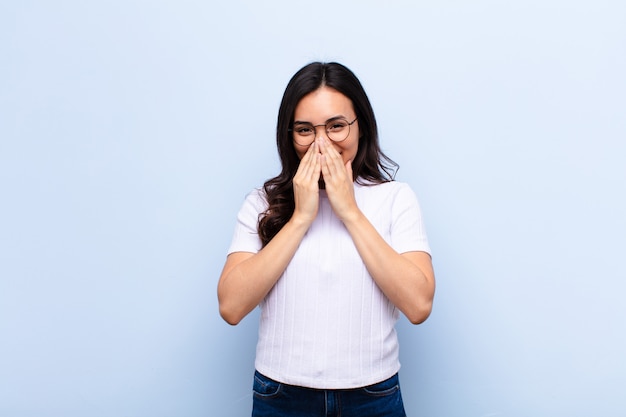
300, 150
350, 150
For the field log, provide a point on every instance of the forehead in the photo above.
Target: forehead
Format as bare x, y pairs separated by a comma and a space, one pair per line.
323, 104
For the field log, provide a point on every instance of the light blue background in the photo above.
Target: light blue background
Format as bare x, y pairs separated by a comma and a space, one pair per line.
130, 132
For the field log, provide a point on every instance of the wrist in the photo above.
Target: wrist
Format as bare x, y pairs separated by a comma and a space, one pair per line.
352, 217
300, 221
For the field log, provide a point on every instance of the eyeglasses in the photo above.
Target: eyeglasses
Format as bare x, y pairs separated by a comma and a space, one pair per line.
337, 129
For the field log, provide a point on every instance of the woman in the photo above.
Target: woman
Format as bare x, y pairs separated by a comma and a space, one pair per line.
331, 249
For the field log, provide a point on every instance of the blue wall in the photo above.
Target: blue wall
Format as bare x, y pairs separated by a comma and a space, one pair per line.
130, 132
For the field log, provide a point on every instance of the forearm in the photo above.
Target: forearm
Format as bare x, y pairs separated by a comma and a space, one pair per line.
406, 279
243, 284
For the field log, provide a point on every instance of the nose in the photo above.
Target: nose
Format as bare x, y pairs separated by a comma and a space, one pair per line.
323, 130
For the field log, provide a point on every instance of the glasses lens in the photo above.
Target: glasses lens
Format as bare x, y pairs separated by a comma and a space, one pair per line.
337, 130
303, 134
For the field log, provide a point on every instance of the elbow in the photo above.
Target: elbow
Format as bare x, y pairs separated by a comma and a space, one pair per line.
228, 310
230, 316
420, 313
422, 306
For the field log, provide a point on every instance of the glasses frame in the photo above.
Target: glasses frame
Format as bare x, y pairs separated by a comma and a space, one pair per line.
292, 130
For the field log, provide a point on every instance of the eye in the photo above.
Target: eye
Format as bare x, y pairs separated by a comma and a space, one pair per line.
304, 130
336, 126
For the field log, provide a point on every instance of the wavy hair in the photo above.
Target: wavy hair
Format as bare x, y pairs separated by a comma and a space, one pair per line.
370, 165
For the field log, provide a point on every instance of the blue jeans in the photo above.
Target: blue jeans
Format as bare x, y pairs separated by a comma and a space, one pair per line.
273, 399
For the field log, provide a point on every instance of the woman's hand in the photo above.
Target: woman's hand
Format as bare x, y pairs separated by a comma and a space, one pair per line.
306, 185
248, 277
407, 279
338, 180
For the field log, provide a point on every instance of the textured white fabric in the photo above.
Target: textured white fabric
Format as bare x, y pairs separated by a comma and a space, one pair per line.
326, 324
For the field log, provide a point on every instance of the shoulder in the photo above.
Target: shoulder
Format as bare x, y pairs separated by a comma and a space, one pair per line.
256, 194
393, 195
387, 189
256, 200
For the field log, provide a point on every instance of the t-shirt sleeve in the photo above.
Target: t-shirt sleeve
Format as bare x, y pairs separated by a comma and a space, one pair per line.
246, 237
407, 228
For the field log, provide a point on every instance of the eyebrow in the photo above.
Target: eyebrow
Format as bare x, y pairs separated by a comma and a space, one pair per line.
298, 122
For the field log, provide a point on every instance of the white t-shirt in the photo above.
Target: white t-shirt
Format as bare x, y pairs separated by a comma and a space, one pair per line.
326, 324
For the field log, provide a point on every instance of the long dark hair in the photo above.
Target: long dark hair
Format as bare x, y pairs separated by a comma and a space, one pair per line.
370, 165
